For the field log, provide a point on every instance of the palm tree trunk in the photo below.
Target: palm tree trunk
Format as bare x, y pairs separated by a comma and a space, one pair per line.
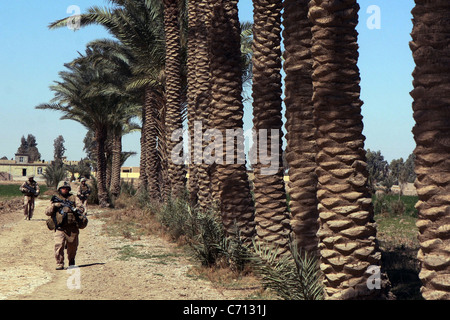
144, 149
271, 215
155, 102
116, 164
108, 156
193, 56
301, 145
100, 137
202, 102
176, 171
230, 181
431, 106
348, 247
199, 101
145, 140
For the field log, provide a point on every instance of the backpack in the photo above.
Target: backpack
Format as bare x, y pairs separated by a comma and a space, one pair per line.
64, 216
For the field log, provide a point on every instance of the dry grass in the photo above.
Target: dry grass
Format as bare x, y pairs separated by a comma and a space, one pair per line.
224, 278
130, 221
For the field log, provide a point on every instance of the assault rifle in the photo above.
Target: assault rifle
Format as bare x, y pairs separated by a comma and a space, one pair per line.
84, 194
65, 203
69, 204
31, 189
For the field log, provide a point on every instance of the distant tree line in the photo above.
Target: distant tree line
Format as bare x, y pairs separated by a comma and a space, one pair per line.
384, 174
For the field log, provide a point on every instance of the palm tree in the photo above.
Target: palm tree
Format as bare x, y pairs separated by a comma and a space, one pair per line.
174, 121
347, 234
431, 54
114, 55
301, 146
81, 96
229, 180
139, 26
271, 214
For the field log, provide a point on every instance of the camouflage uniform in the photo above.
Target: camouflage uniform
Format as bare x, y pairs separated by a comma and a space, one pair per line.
66, 234
83, 193
28, 199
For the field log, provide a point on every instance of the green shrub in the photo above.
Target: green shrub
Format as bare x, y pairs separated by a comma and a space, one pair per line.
174, 215
397, 207
202, 231
205, 235
127, 188
54, 173
380, 204
294, 276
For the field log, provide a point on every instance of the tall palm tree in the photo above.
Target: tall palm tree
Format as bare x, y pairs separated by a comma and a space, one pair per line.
139, 26
431, 106
115, 56
301, 146
174, 121
83, 95
229, 180
271, 214
347, 234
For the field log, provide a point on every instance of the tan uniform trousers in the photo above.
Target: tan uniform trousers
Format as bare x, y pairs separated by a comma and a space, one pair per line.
65, 238
28, 206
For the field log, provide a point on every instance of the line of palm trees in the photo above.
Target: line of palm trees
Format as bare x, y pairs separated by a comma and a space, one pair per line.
178, 59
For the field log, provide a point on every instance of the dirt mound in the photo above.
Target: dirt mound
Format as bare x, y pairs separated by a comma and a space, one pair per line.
7, 206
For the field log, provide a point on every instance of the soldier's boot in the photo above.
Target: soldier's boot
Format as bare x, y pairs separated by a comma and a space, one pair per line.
72, 262
60, 267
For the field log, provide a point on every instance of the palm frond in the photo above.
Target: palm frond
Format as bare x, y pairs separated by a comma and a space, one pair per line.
294, 276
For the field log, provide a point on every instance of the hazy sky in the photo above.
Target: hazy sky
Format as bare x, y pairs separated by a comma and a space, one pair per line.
31, 56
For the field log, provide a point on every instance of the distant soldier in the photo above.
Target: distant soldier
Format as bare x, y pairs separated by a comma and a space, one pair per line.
66, 212
83, 193
30, 190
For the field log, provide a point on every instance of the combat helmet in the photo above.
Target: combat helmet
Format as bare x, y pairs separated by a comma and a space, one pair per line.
64, 184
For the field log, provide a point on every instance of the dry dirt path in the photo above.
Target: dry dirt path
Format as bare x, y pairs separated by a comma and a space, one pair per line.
27, 266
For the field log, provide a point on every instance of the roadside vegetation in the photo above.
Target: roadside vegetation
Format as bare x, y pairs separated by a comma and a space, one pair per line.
227, 262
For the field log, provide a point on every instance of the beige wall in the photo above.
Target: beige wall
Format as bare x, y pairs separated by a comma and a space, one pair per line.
23, 170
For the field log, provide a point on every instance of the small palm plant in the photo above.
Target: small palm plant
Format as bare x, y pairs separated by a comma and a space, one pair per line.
54, 173
294, 276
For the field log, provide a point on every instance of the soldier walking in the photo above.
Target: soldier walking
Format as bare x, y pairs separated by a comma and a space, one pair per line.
83, 193
30, 190
66, 212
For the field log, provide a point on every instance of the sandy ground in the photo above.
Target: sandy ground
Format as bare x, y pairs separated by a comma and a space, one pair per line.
27, 265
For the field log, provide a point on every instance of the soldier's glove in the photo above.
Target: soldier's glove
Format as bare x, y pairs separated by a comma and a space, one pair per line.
57, 204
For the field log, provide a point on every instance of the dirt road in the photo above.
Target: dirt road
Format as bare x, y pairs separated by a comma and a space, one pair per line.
27, 265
